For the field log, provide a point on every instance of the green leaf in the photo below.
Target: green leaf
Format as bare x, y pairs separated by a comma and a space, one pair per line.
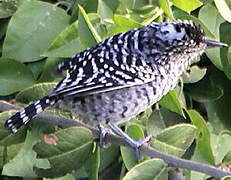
108, 156
219, 113
31, 29
206, 94
227, 158
203, 152
150, 169
167, 149
127, 5
144, 10
48, 70
223, 9
2, 156
225, 36
155, 123
171, 102
88, 35
155, 16
229, 57
180, 136
7, 138
12, 151
209, 15
205, 90
123, 24
135, 132
80, 173
104, 11
164, 4
219, 110
93, 163
14, 76
34, 92
3, 30
226, 178
113, 5
142, 118
22, 164
195, 74
36, 67
187, 5
221, 146
7, 8
100, 27
175, 140
67, 43
146, 14
67, 177
72, 146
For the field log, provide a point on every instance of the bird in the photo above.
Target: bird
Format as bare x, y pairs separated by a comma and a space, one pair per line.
123, 75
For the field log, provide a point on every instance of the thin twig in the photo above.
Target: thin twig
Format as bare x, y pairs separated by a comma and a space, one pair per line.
170, 160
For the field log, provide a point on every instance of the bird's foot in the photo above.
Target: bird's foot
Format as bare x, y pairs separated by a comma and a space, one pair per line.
134, 144
102, 136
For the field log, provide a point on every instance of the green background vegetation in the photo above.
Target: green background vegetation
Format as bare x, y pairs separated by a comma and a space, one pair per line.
192, 121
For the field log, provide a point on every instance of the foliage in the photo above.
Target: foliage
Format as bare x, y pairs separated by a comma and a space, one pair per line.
36, 35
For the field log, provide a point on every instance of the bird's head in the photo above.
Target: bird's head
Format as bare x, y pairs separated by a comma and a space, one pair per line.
181, 39
184, 37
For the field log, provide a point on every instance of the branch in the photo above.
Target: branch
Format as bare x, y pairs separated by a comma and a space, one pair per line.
110, 138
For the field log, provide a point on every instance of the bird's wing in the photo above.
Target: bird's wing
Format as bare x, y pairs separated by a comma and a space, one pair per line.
111, 64
79, 83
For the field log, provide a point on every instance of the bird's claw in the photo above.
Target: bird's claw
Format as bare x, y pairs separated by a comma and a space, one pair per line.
102, 136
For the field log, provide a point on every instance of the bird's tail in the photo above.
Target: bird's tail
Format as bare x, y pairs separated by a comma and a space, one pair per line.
23, 116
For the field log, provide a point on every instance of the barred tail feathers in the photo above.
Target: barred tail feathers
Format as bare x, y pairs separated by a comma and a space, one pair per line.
23, 116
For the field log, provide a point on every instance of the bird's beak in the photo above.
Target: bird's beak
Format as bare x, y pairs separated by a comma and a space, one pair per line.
213, 44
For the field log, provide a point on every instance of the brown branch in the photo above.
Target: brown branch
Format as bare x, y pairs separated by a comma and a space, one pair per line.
168, 159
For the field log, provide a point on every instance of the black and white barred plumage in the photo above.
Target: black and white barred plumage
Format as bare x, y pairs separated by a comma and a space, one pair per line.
124, 74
